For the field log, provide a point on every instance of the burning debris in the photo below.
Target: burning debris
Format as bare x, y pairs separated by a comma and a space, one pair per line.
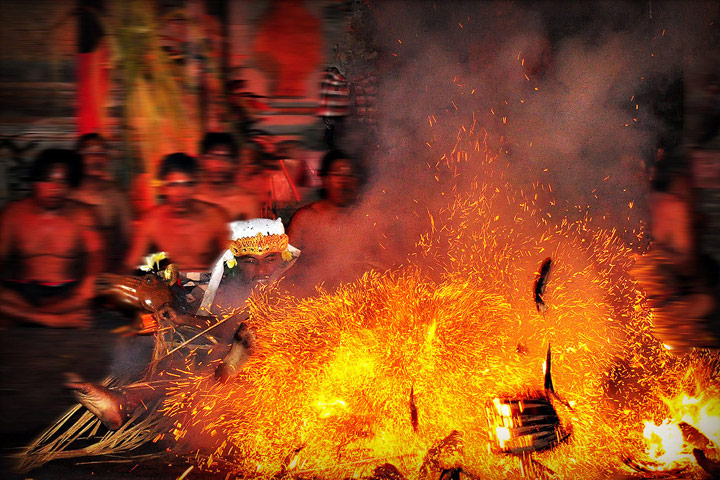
541, 285
523, 425
413, 410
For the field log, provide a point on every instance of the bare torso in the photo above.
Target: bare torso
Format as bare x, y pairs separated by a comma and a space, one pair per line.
312, 221
110, 203
238, 204
48, 245
50, 258
193, 240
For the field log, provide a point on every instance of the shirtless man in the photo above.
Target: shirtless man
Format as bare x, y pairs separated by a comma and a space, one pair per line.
220, 163
49, 249
110, 202
341, 184
676, 276
192, 232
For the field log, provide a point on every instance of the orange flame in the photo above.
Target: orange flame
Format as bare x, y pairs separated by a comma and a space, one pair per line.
330, 376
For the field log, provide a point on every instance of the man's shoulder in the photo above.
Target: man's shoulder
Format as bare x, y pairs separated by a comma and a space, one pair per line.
16, 207
212, 210
83, 212
308, 210
156, 214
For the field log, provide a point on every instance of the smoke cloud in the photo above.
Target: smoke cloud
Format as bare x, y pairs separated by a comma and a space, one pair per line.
566, 96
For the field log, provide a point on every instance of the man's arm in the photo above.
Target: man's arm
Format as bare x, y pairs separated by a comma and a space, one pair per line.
6, 231
124, 214
13, 308
11, 303
141, 240
298, 224
222, 229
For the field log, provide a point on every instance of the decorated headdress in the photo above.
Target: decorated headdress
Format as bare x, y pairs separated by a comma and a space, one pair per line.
249, 237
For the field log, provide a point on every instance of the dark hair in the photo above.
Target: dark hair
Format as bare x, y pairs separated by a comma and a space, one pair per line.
672, 167
177, 162
331, 157
213, 139
84, 139
47, 159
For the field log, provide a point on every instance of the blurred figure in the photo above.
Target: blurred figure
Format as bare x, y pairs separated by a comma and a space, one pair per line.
245, 106
190, 231
293, 155
220, 162
334, 100
111, 203
49, 248
258, 166
710, 124
342, 177
671, 218
285, 175
679, 281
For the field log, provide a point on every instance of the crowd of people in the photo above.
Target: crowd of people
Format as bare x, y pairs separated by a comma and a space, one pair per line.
78, 222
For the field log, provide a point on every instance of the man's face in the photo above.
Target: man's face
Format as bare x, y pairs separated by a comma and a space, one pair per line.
219, 164
51, 192
95, 158
179, 189
341, 183
259, 268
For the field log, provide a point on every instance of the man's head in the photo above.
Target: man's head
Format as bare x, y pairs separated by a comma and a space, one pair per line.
53, 174
259, 252
178, 173
259, 248
341, 176
219, 156
92, 147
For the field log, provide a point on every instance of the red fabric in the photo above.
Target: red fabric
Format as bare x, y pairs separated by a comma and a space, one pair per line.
287, 47
92, 90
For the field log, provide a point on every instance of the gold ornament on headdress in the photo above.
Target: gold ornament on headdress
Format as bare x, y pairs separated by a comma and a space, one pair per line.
152, 261
259, 245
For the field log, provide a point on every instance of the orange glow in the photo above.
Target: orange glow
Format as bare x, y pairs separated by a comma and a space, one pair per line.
327, 390
664, 446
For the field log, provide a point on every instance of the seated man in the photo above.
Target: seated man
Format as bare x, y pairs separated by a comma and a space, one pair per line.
191, 232
221, 162
49, 249
259, 252
112, 205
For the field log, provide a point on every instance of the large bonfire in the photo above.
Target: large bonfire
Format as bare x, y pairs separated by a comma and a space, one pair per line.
396, 373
